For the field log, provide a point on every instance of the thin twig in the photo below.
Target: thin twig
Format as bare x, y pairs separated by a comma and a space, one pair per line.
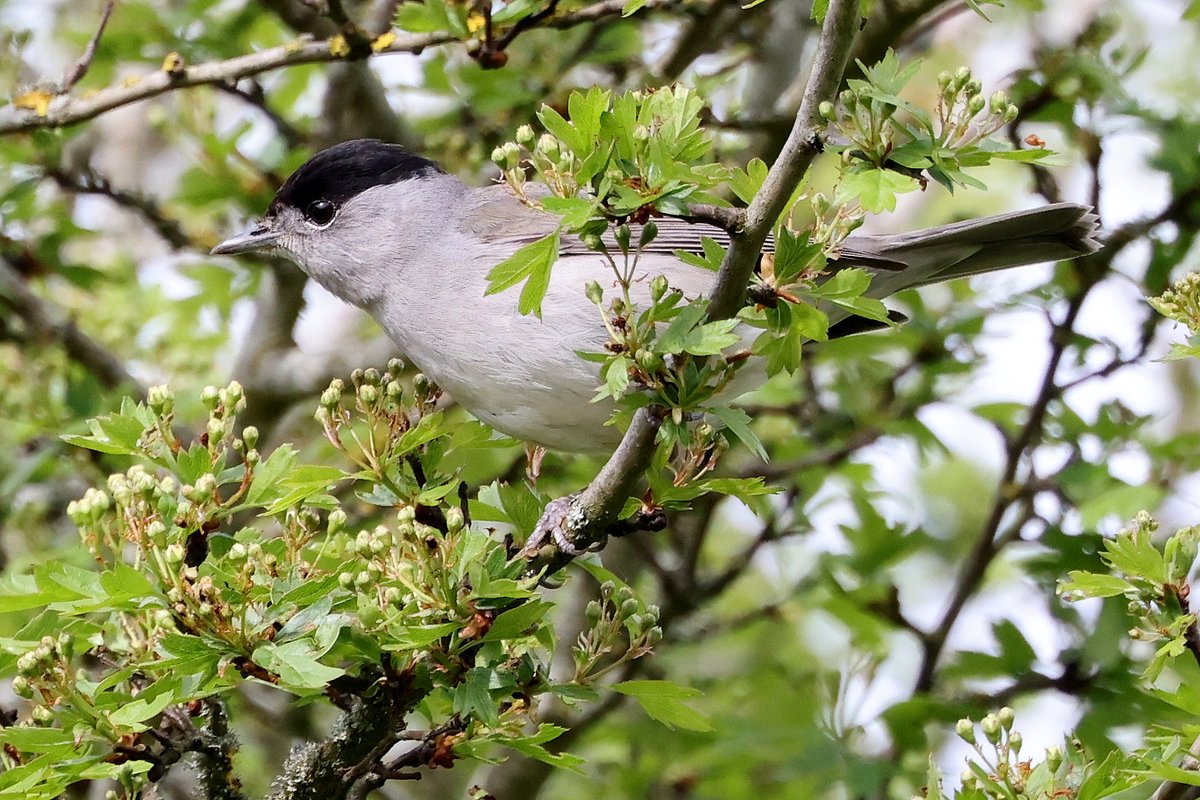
989, 543
291, 135
721, 216
76, 71
87, 181
525, 23
1091, 270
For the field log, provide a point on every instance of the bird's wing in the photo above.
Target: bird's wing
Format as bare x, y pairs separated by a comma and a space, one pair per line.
497, 216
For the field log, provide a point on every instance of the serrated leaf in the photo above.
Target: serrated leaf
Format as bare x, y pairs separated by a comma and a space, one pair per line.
516, 622
663, 702
533, 747
746, 183
1092, 584
268, 474
531, 264
293, 662
737, 422
93, 443
844, 283
876, 189
139, 710
473, 697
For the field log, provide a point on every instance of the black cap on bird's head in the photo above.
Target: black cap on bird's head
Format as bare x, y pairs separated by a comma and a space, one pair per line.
342, 171
327, 180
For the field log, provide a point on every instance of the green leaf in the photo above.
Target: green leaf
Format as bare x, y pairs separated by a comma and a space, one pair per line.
1092, 584
688, 334
517, 622
301, 483
127, 588
876, 189
22, 592
559, 127
269, 473
795, 255
737, 422
746, 183
533, 747
531, 264
585, 109
293, 662
139, 710
97, 444
615, 375
417, 636
663, 701
473, 697
35, 740
867, 307
845, 283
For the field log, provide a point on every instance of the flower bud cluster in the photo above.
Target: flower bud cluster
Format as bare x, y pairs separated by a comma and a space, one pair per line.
1000, 753
1181, 302
617, 610
161, 400
134, 506
42, 674
961, 100
223, 406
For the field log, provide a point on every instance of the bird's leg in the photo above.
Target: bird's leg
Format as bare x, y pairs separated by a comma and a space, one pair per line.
534, 453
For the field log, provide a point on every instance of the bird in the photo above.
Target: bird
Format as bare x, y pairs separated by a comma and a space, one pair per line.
391, 232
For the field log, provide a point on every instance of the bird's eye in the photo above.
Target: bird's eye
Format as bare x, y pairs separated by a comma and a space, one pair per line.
320, 212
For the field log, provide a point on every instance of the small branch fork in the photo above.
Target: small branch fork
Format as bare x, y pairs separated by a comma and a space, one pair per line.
574, 524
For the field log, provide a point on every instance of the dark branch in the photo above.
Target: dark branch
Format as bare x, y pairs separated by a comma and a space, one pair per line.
254, 95
47, 323
88, 182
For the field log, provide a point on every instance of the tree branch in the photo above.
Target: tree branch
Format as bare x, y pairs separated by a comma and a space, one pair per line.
583, 521
801, 147
69, 109
213, 751
254, 96
86, 181
315, 771
46, 322
721, 216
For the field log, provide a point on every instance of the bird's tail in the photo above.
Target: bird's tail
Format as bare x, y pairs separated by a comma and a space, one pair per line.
902, 261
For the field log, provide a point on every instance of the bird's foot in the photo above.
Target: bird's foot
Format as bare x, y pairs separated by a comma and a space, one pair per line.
554, 526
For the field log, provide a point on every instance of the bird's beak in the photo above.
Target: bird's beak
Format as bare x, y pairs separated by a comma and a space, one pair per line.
260, 238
